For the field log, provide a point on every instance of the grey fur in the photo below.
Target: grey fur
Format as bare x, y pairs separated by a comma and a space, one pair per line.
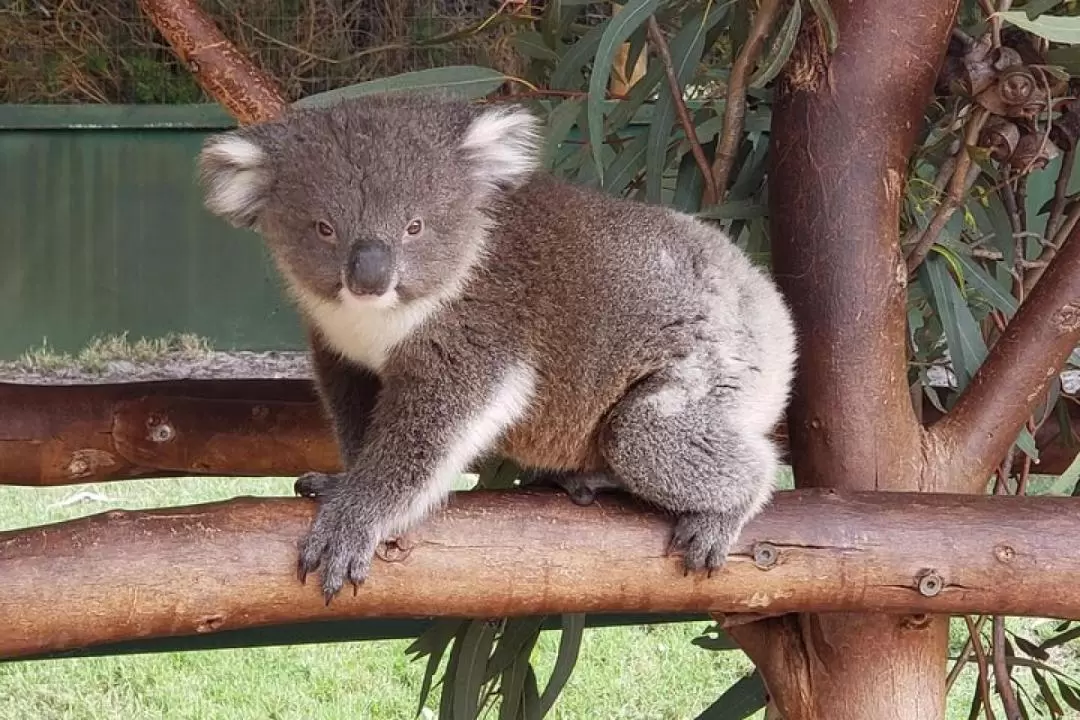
601, 342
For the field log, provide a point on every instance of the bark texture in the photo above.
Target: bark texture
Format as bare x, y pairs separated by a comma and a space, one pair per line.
128, 575
844, 125
219, 68
63, 435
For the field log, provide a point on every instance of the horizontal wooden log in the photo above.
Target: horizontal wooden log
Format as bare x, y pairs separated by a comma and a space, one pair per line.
122, 576
64, 434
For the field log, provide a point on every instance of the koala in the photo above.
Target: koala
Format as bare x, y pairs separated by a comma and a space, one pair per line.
462, 302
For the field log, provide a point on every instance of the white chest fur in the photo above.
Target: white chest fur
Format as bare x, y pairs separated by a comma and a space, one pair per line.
366, 331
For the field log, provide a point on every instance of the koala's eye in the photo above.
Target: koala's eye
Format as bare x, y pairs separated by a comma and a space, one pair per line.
415, 227
325, 229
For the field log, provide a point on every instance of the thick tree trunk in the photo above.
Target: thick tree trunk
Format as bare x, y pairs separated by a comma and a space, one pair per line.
130, 575
844, 126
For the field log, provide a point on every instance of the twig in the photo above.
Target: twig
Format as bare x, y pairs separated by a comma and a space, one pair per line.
984, 668
963, 177
964, 656
1057, 232
656, 37
735, 108
1061, 188
1001, 672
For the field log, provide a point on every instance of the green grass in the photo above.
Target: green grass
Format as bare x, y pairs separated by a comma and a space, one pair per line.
100, 351
641, 672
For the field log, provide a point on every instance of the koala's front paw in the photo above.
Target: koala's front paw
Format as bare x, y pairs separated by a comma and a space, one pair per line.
705, 539
342, 544
315, 484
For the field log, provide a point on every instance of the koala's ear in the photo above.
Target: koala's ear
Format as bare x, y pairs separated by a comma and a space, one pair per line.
503, 145
235, 173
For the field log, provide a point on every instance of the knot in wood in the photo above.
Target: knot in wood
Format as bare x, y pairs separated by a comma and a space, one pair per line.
159, 430
1067, 319
210, 624
930, 583
765, 555
395, 550
1004, 553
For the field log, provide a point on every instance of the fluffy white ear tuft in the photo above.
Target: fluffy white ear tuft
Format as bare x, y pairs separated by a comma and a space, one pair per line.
235, 176
504, 144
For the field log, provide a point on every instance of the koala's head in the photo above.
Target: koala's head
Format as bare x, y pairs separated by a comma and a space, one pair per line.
380, 198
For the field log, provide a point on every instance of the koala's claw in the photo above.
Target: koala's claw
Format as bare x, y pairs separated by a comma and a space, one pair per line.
705, 540
314, 484
342, 546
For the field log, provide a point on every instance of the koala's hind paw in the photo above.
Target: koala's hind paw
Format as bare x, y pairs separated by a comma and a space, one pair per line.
342, 546
314, 484
705, 540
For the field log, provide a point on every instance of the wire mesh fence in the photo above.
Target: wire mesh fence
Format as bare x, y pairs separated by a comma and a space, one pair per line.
106, 51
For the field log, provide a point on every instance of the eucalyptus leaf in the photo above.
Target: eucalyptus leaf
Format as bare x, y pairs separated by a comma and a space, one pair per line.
568, 73
740, 701
789, 31
469, 81
628, 163
569, 646
468, 676
966, 345
1055, 28
513, 685
618, 29
1047, 694
433, 643
517, 635
828, 22
685, 49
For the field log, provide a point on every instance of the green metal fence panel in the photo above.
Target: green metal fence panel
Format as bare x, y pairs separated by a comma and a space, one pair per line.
102, 230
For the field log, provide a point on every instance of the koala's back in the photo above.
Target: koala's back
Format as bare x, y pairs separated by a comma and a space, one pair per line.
603, 292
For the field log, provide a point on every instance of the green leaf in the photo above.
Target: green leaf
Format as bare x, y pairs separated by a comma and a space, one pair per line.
1068, 695
433, 642
513, 688
1035, 8
618, 29
1055, 28
569, 646
686, 49
721, 642
1047, 694
468, 676
530, 701
828, 21
533, 45
559, 124
1031, 648
741, 700
986, 285
1061, 638
628, 163
1066, 481
966, 345
552, 24
469, 81
498, 474
517, 634
568, 73
789, 31
1026, 443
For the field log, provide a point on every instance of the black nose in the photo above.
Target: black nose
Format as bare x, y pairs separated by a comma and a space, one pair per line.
369, 269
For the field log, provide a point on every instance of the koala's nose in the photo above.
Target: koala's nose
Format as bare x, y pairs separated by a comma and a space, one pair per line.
369, 269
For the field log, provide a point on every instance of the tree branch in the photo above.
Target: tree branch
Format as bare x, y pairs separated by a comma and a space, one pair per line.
735, 107
656, 37
231, 565
248, 93
973, 438
73, 434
